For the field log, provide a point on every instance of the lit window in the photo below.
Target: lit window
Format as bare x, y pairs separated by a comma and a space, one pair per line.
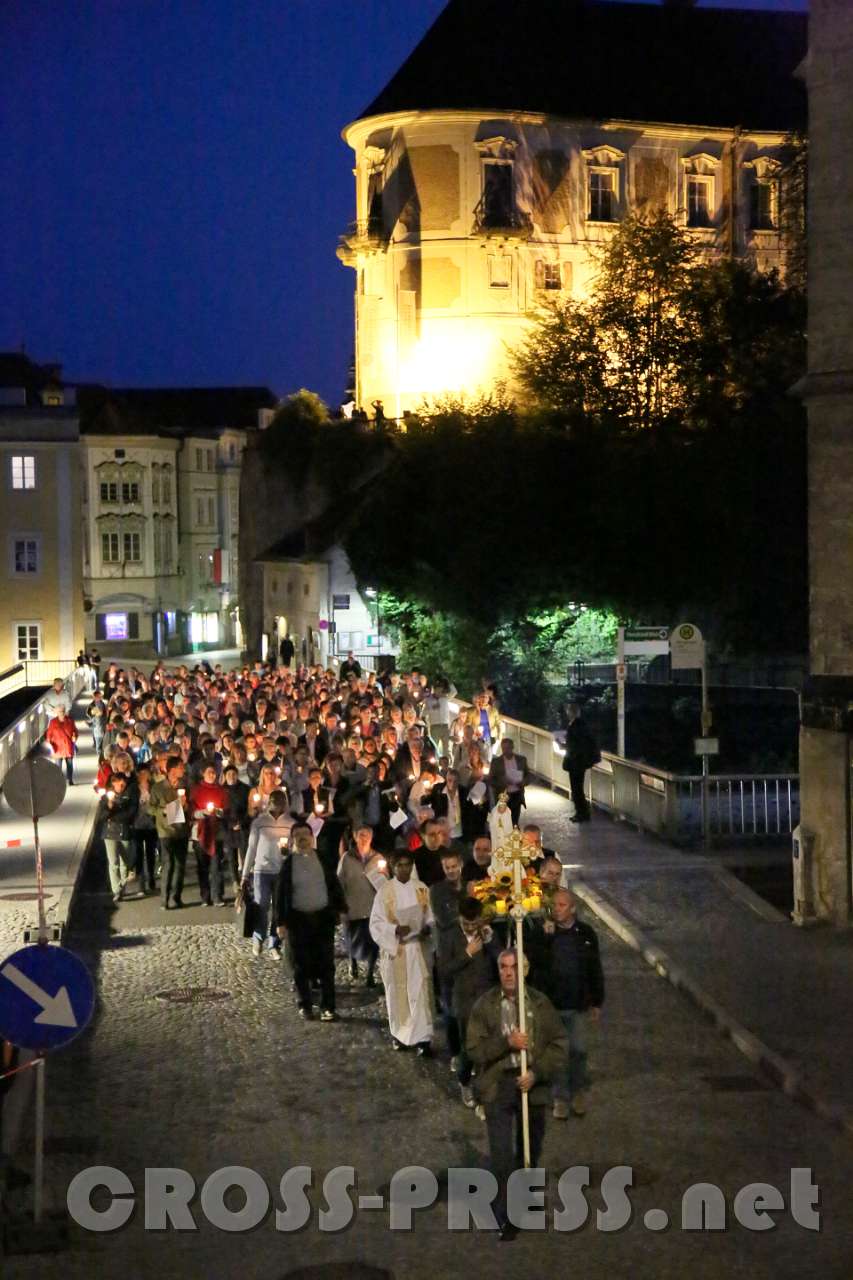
109, 548
699, 194
602, 195
762, 206
549, 277
498, 208
28, 641
132, 547
109, 492
116, 626
23, 471
26, 556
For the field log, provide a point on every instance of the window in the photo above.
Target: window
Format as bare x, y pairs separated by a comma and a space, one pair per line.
158, 544
211, 510
602, 195
109, 491
500, 270
130, 491
167, 550
199, 510
550, 275
166, 487
232, 453
23, 471
699, 196
762, 206
498, 208
109, 548
25, 557
28, 641
115, 626
132, 547
155, 486
210, 463
199, 459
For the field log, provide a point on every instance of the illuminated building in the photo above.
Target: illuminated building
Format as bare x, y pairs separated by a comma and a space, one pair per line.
512, 141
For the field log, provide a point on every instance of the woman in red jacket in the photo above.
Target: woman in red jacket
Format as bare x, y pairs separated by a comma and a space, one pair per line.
208, 802
61, 737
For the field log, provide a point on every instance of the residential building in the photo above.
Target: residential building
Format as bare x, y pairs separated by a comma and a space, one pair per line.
41, 603
161, 515
511, 142
310, 594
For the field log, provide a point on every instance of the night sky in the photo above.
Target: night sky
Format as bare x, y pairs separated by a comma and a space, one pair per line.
174, 182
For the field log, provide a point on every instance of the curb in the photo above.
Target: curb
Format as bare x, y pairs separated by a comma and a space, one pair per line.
784, 1073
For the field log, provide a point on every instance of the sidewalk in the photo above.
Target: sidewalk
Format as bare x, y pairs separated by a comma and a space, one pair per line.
784, 995
64, 837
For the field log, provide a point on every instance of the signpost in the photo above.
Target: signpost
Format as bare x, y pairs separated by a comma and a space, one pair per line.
687, 652
46, 994
634, 642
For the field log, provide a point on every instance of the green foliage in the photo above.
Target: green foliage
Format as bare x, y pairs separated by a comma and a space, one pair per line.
665, 339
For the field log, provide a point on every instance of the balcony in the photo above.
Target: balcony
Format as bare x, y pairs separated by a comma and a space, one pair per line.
365, 236
501, 220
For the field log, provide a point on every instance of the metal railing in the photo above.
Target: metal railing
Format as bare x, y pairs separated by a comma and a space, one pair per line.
12, 679
752, 806
28, 730
500, 217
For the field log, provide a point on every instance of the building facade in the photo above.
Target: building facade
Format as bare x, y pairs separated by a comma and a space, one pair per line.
41, 604
484, 186
161, 516
310, 593
826, 736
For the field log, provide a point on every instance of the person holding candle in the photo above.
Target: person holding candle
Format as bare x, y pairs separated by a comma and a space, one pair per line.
208, 802
269, 837
168, 804
117, 810
362, 870
401, 925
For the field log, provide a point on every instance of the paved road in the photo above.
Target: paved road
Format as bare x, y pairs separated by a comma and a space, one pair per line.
243, 1081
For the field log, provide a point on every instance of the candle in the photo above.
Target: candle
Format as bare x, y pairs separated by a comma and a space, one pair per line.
501, 907
318, 808
382, 864
102, 791
278, 768
111, 795
209, 806
282, 844
256, 797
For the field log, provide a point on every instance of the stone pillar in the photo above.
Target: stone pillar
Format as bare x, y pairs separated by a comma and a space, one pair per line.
827, 724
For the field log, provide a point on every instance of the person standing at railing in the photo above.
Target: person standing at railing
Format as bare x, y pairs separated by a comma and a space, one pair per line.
581, 754
61, 737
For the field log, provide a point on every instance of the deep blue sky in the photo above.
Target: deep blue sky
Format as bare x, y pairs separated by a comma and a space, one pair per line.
174, 182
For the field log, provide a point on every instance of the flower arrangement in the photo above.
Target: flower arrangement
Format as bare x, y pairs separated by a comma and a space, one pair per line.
496, 894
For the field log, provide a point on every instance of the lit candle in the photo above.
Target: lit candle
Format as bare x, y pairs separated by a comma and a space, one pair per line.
256, 797
318, 808
111, 795
102, 791
501, 907
278, 768
382, 864
181, 791
282, 844
209, 806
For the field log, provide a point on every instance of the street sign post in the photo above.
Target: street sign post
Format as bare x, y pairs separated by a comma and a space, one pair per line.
35, 787
634, 642
47, 998
687, 652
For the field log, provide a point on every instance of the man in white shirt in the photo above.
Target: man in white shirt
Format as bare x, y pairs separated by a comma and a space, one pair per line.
57, 698
401, 925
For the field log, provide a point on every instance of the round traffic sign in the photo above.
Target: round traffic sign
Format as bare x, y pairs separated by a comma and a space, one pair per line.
35, 787
47, 997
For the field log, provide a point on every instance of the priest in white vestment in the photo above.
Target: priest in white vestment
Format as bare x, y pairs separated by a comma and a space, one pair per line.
401, 924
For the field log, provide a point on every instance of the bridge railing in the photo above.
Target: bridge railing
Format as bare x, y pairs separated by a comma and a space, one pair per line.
19, 738
742, 806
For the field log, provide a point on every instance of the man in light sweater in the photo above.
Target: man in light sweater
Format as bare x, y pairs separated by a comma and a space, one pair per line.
269, 836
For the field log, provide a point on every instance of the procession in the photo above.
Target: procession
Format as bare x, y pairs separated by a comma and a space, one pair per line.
375, 814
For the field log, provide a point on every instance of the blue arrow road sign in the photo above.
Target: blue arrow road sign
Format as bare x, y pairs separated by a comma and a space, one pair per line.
46, 997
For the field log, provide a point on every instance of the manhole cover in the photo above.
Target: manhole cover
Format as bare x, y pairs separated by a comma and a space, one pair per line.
192, 995
340, 1271
22, 897
735, 1084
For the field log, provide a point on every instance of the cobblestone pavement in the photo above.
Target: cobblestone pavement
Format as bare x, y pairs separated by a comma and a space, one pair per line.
243, 1081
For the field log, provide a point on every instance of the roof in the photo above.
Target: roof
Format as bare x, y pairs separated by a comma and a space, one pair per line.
582, 59
171, 410
18, 371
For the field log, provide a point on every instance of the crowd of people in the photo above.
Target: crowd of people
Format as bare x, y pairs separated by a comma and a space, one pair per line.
312, 798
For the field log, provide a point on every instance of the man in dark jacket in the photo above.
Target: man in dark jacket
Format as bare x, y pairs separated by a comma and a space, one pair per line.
581, 754
308, 900
466, 969
575, 985
494, 1044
